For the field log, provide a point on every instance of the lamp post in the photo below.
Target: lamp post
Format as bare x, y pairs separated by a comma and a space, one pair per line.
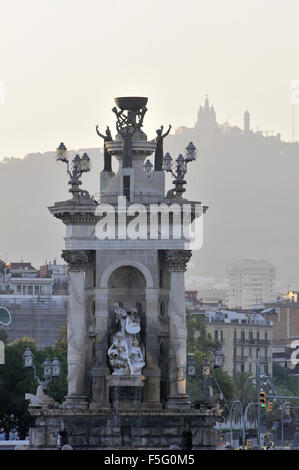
148, 168
208, 366
192, 371
286, 403
178, 168
50, 369
79, 165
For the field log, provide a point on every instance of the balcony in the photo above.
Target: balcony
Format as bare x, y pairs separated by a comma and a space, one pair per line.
250, 342
240, 358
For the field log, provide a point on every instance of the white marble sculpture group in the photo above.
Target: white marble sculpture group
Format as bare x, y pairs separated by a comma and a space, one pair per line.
125, 354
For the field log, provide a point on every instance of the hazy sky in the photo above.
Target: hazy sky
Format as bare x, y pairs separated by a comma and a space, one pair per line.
63, 62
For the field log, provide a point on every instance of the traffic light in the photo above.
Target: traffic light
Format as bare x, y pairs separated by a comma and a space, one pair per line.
288, 410
270, 406
248, 444
268, 435
263, 401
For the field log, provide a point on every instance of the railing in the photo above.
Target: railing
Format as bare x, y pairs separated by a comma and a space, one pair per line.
240, 358
247, 341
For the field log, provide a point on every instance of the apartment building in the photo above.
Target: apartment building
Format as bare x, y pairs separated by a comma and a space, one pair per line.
250, 282
243, 337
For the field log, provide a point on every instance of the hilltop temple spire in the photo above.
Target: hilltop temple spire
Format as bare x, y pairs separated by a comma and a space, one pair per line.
206, 117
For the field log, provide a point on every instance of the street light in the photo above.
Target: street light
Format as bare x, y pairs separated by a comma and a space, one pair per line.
148, 168
219, 358
207, 369
191, 152
193, 371
47, 366
55, 367
191, 367
178, 168
79, 165
50, 369
61, 153
28, 358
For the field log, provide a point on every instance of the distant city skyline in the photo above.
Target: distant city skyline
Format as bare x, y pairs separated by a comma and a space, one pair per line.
62, 63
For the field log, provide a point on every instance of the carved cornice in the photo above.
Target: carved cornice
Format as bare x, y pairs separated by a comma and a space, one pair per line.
76, 259
177, 259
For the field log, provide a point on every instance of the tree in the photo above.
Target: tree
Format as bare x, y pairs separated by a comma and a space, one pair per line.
3, 335
284, 381
15, 381
201, 344
245, 390
2, 266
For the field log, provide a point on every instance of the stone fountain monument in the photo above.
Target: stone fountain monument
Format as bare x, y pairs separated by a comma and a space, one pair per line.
126, 321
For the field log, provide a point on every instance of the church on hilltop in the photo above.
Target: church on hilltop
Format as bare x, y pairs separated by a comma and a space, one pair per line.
207, 125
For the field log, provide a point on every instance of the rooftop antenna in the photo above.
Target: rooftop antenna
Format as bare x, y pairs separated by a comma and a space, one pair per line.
293, 122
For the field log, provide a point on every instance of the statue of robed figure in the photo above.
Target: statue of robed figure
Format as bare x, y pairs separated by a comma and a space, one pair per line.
159, 148
107, 155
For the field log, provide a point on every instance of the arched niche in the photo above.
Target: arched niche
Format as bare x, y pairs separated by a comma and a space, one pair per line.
105, 277
126, 286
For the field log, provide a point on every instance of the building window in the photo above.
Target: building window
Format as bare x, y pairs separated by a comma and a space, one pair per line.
161, 280
250, 351
242, 353
235, 335
266, 353
242, 367
126, 186
242, 336
266, 335
257, 352
216, 335
250, 367
235, 352
250, 336
162, 309
257, 335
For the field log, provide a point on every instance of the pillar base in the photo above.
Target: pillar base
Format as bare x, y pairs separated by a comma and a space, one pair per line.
76, 402
175, 402
98, 406
149, 405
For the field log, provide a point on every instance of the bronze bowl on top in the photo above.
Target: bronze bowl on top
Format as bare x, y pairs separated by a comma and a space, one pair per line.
132, 103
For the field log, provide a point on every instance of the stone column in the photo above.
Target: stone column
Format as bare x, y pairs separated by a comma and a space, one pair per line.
76, 328
100, 393
152, 371
177, 263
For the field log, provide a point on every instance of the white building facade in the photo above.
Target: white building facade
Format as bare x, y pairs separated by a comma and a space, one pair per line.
250, 282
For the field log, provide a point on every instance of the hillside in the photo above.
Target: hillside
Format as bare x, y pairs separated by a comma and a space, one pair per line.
249, 182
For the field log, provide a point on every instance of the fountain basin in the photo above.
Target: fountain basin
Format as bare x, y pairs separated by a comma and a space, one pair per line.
132, 103
125, 391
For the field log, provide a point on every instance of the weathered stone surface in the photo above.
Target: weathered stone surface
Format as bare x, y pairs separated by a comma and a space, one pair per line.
170, 431
138, 430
